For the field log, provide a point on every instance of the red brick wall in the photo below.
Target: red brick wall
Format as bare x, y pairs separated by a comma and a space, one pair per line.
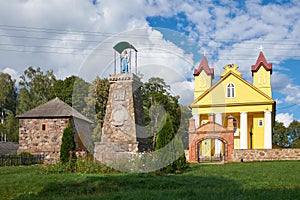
226, 138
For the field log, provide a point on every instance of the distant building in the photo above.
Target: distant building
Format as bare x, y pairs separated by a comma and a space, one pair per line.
8, 148
41, 129
249, 105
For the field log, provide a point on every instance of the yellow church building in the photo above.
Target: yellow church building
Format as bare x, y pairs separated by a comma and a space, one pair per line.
249, 105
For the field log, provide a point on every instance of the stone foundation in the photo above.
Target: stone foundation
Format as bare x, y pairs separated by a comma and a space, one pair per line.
248, 155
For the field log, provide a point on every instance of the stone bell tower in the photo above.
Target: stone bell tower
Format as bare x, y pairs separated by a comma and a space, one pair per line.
124, 124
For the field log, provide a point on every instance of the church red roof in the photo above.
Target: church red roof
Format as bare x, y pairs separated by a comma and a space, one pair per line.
261, 61
204, 66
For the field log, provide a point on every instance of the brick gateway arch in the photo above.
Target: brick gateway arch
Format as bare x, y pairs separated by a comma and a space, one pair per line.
211, 130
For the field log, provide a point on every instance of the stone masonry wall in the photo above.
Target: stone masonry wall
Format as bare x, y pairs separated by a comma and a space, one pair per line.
33, 139
247, 155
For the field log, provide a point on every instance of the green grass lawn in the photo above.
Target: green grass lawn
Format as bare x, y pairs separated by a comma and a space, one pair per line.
257, 180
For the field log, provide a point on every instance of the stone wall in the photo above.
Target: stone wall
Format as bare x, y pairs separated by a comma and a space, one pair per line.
247, 155
36, 139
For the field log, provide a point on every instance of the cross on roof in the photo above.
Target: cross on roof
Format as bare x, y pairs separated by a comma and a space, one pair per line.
261, 48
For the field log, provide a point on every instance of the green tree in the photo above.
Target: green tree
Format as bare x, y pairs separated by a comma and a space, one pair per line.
186, 114
166, 137
35, 88
73, 91
11, 127
294, 133
8, 103
96, 104
157, 101
68, 144
280, 135
8, 95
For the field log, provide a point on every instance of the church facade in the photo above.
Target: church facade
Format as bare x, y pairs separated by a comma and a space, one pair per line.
249, 106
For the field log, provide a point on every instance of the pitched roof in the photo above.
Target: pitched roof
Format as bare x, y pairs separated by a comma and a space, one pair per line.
261, 61
8, 148
54, 108
204, 66
231, 73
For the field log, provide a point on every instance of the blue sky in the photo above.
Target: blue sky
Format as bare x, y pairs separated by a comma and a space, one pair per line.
76, 37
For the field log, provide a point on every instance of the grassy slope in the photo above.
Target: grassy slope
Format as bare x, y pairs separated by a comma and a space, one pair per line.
259, 180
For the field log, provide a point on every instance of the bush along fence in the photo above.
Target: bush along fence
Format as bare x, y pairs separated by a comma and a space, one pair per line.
8, 160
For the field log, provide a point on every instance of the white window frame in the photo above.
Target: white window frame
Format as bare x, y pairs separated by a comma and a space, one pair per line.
230, 90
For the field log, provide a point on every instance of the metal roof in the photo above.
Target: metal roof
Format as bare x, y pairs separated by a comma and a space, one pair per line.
123, 45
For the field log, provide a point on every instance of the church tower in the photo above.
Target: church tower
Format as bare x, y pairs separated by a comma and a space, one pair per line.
261, 73
203, 77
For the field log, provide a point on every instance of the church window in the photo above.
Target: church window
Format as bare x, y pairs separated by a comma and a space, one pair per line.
260, 123
230, 92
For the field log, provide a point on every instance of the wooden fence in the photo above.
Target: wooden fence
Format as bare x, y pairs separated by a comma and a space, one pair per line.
8, 160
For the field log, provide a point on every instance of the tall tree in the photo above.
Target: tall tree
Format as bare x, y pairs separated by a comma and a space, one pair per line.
8, 103
8, 95
11, 127
294, 133
166, 136
280, 135
73, 91
35, 88
96, 104
158, 101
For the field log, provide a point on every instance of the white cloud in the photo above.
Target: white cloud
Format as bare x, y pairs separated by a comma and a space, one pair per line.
227, 31
285, 118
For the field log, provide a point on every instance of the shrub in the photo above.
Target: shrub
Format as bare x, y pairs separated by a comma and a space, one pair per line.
165, 136
84, 164
67, 149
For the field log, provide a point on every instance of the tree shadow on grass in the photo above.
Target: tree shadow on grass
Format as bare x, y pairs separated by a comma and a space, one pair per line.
149, 186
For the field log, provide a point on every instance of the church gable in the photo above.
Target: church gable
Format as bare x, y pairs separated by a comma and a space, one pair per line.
231, 89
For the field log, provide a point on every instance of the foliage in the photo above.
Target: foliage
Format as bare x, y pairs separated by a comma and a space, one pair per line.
294, 133
73, 91
27, 154
67, 149
186, 114
97, 100
35, 88
8, 95
255, 180
158, 101
11, 127
280, 135
165, 137
83, 164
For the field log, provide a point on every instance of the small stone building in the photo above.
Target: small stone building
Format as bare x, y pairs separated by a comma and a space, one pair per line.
41, 129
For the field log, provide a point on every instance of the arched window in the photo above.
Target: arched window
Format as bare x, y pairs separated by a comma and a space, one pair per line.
230, 92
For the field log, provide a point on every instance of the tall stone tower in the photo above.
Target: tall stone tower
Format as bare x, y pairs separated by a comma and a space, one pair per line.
124, 124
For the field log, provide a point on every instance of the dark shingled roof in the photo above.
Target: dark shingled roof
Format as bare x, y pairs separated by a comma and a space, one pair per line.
8, 148
53, 108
